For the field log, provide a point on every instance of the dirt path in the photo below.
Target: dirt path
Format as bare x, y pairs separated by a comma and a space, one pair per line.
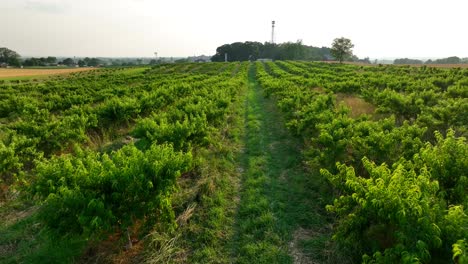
276, 210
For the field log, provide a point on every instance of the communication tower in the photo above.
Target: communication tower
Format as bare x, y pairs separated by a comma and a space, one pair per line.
273, 32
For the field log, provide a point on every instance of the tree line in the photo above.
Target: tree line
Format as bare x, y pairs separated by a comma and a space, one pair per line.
52, 61
12, 58
251, 50
449, 60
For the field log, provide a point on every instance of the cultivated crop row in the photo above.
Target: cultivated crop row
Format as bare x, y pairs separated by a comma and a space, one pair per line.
398, 171
102, 151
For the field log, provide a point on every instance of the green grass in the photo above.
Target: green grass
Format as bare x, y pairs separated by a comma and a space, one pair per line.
24, 240
277, 195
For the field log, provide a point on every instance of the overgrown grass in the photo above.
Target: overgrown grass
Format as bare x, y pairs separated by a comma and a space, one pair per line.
278, 195
24, 240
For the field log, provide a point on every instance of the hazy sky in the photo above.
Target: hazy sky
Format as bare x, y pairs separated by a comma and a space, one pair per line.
120, 28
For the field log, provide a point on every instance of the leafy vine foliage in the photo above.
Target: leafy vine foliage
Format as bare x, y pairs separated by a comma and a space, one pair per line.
54, 146
89, 192
399, 173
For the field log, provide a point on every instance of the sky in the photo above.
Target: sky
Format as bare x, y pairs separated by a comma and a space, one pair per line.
176, 28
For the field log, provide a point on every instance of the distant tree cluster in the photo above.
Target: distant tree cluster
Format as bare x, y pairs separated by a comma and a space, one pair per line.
68, 62
49, 61
9, 57
366, 60
407, 61
449, 60
243, 51
89, 62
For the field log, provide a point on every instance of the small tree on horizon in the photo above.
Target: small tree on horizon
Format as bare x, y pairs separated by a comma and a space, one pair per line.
342, 48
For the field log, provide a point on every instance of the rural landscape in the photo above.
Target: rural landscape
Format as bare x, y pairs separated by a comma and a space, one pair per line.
263, 152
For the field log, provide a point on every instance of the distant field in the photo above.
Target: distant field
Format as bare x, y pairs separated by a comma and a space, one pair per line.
465, 65
443, 65
15, 73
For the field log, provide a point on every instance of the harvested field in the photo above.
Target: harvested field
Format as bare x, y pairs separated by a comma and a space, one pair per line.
12, 73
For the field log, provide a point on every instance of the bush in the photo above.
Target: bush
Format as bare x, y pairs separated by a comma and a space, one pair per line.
94, 193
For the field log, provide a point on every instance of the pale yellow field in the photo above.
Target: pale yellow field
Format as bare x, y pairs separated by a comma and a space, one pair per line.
11, 73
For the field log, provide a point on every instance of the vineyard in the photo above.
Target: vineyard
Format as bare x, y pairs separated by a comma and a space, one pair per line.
274, 162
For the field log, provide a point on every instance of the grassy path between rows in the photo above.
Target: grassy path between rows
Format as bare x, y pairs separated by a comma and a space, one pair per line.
278, 208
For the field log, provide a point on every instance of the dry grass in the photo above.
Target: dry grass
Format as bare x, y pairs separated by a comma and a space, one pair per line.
11, 73
318, 89
294, 249
356, 105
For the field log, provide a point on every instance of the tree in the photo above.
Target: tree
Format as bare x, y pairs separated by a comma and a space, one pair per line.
9, 56
81, 63
407, 61
93, 62
292, 51
449, 60
68, 62
51, 60
342, 48
249, 50
31, 62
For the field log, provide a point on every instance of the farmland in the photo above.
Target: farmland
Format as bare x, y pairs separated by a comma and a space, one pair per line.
30, 73
274, 162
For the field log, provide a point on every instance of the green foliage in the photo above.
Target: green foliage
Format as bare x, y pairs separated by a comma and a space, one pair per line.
170, 108
49, 61
447, 161
342, 48
248, 50
449, 60
460, 249
412, 194
407, 61
16, 152
9, 164
348, 140
94, 193
119, 110
180, 134
9, 56
396, 201
411, 206
400, 187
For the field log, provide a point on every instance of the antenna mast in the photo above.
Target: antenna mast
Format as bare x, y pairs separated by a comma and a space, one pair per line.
273, 32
